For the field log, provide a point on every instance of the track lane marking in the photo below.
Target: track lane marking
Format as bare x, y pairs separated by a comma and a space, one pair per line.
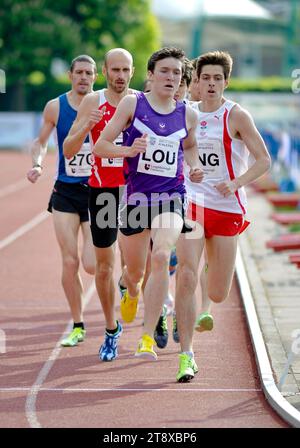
24, 229
123, 389
30, 405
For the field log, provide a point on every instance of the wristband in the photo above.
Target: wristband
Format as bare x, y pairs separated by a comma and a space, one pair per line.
37, 165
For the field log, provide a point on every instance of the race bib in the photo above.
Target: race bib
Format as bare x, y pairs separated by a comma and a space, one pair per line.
115, 162
210, 156
81, 164
160, 158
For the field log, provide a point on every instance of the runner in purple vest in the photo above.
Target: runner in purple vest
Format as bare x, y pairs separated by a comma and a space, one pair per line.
159, 133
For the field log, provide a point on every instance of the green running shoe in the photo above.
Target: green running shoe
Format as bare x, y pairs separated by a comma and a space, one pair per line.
205, 322
175, 329
187, 368
76, 335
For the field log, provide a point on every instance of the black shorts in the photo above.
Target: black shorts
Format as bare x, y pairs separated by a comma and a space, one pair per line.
103, 208
134, 219
70, 198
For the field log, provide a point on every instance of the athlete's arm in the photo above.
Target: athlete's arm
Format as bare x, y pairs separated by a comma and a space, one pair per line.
87, 116
242, 126
39, 145
104, 147
191, 155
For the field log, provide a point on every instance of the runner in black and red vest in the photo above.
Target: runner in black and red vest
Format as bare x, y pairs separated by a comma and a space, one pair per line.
106, 184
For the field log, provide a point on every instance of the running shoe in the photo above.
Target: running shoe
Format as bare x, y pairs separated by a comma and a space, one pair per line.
173, 262
76, 335
129, 307
145, 347
161, 331
175, 329
205, 322
187, 368
109, 349
122, 288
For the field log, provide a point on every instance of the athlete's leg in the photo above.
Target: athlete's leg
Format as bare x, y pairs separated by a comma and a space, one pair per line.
164, 238
221, 254
135, 250
88, 258
147, 270
66, 227
206, 302
122, 284
188, 253
105, 260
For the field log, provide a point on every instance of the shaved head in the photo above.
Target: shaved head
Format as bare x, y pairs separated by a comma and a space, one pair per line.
117, 52
118, 69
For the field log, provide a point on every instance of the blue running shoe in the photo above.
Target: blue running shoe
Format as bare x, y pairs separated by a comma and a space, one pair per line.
172, 262
161, 334
109, 349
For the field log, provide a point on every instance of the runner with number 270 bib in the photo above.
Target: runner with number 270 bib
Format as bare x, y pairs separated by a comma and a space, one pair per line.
106, 184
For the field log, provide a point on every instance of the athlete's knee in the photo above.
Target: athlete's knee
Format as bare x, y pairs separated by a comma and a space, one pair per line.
187, 276
160, 259
104, 271
134, 275
71, 263
217, 296
89, 267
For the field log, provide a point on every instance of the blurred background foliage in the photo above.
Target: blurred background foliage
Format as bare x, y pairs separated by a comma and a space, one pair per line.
39, 38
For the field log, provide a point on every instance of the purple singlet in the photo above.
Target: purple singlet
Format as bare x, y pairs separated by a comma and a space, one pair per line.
160, 169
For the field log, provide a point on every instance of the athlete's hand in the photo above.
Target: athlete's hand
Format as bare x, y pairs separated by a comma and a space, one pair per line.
227, 188
196, 175
94, 117
34, 174
139, 145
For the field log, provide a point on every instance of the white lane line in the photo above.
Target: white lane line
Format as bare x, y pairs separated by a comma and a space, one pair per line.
288, 412
122, 389
14, 187
30, 406
23, 229
19, 185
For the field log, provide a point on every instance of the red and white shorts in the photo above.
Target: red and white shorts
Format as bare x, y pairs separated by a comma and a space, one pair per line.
216, 222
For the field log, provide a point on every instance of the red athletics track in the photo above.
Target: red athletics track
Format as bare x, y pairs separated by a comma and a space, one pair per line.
42, 385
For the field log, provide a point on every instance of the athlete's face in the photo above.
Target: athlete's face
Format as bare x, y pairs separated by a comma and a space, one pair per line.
194, 89
82, 77
118, 71
166, 76
212, 82
181, 93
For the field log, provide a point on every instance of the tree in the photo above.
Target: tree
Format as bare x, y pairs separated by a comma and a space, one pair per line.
30, 36
33, 32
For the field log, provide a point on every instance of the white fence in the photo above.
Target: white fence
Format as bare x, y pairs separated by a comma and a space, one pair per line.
18, 129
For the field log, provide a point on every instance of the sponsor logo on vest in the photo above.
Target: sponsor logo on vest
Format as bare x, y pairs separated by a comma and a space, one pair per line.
203, 125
